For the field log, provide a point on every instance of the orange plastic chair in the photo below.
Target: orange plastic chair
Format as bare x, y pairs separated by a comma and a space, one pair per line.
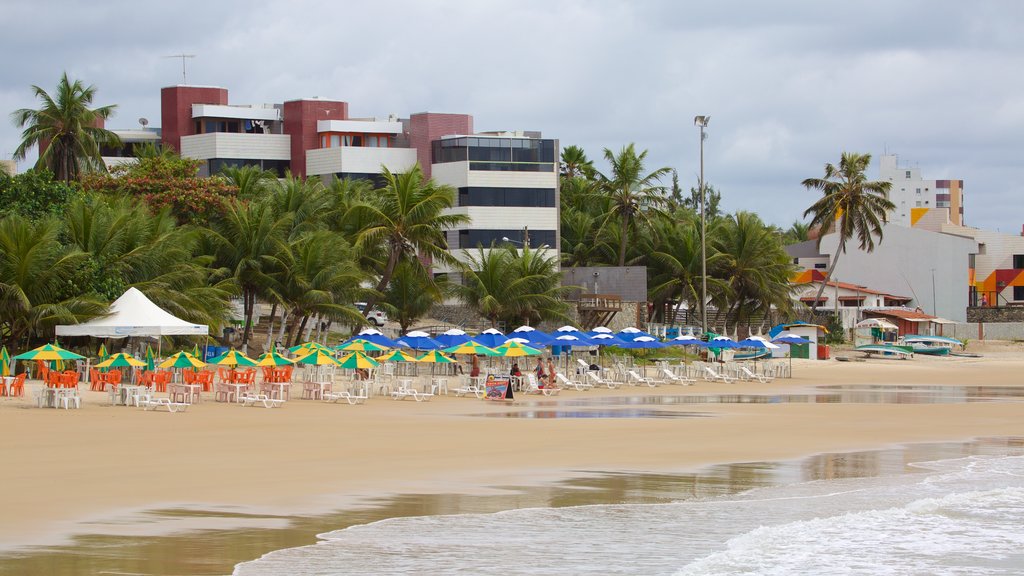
69, 379
18, 386
206, 379
188, 375
96, 382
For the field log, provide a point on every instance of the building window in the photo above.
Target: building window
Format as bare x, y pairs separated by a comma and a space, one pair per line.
486, 238
796, 261
1018, 261
523, 197
497, 154
917, 204
918, 191
1018, 293
820, 266
908, 173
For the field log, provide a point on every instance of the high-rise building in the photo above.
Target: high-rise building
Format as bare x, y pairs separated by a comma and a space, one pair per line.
914, 196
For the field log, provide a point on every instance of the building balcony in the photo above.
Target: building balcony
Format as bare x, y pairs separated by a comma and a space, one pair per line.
358, 160
233, 145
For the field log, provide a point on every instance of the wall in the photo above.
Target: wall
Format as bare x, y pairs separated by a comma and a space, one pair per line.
176, 110
426, 127
903, 263
988, 331
300, 118
993, 314
628, 282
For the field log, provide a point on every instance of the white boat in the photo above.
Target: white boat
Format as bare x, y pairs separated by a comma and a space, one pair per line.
932, 345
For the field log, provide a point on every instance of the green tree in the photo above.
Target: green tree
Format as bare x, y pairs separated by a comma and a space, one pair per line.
754, 266
36, 287
251, 181
850, 204
508, 285
674, 265
575, 163
711, 202
66, 130
251, 242
632, 192
798, 232
411, 293
407, 218
34, 194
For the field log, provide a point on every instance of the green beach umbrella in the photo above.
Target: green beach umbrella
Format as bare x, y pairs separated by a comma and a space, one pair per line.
121, 360
150, 359
436, 357
360, 345
195, 351
358, 361
49, 352
318, 358
303, 349
182, 360
472, 347
233, 358
513, 348
5, 362
102, 354
273, 359
397, 355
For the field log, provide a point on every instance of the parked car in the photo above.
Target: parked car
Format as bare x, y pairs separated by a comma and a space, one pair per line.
377, 317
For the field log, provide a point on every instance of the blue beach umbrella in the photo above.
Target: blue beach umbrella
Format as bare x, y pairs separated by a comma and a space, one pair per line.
420, 341
492, 338
630, 334
452, 337
606, 339
532, 336
642, 342
377, 337
687, 339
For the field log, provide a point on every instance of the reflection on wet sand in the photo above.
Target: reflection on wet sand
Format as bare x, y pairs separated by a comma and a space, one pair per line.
216, 551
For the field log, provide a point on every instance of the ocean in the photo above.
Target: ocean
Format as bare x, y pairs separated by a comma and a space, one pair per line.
952, 516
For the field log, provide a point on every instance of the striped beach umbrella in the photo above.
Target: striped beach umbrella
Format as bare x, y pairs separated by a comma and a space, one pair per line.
435, 357
397, 355
273, 359
5, 362
303, 349
512, 348
318, 358
195, 351
472, 347
49, 352
102, 354
233, 358
358, 361
150, 358
360, 345
182, 360
121, 360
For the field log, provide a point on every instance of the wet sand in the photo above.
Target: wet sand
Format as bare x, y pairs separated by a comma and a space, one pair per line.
197, 492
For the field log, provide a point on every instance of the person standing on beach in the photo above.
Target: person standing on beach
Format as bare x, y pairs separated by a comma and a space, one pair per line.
551, 373
541, 376
474, 369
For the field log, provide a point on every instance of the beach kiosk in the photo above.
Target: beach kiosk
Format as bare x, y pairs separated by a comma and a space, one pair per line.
816, 350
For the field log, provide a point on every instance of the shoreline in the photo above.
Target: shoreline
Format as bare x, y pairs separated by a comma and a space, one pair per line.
116, 465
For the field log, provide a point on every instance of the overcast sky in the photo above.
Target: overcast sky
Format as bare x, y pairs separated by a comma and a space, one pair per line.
789, 85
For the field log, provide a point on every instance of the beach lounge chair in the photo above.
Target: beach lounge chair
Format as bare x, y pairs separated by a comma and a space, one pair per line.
403, 392
577, 384
632, 376
252, 399
747, 374
674, 378
599, 381
344, 395
469, 387
712, 376
532, 387
157, 403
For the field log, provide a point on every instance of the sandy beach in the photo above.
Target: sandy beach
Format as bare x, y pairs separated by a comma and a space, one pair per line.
90, 471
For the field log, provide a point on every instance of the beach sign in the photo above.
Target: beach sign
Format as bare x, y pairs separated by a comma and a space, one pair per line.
498, 388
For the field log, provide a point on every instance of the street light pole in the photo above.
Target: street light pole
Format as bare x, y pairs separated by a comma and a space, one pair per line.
702, 123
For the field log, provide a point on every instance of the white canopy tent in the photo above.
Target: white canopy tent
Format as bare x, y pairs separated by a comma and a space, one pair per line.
134, 315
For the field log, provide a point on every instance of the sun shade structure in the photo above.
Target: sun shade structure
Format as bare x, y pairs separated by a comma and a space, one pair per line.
49, 352
420, 341
121, 360
377, 337
358, 361
233, 358
273, 359
492, 338
182, 360
133, 314
303, 349
452, 337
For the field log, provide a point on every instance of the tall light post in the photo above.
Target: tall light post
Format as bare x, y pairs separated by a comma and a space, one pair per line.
702, 123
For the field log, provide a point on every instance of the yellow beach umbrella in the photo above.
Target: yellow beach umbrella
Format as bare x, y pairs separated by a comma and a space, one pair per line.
121, 360
273, 359
233, 358
471, 347
182, 360
397, 355
360, 345
358, 361
303, 349
49, 352
318, 358
436, 357
515, 349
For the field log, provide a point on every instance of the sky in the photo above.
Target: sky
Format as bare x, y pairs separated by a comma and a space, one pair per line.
789, 85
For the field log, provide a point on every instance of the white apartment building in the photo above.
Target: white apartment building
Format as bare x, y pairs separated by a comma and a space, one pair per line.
914, 196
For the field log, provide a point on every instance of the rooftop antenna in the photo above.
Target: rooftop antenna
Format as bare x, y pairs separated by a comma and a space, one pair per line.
184, 80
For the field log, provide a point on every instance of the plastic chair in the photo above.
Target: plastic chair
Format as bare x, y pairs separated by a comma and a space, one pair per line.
18, 386
69, 379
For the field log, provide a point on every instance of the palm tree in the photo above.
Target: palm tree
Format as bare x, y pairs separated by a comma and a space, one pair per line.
36, 287
411, 293
631, 192
252, 181
505, 284
575, 163
860, 206
753, 264
66, 130
674, 265
251, 238
407, 216
798, 232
